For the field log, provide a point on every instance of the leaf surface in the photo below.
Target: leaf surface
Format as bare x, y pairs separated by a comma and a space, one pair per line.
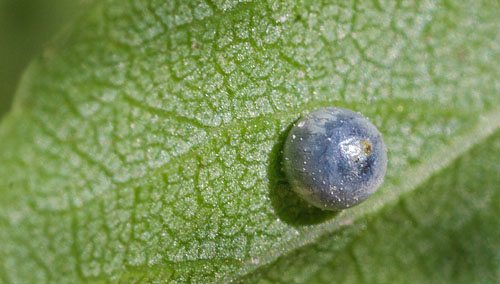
145, 143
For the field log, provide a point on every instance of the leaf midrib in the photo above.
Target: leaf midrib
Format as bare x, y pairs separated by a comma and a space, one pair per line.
416, 176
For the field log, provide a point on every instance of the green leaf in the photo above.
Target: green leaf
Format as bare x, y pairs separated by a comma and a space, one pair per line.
144, 145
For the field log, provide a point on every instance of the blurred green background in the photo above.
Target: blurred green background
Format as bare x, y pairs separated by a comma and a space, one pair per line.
25, 27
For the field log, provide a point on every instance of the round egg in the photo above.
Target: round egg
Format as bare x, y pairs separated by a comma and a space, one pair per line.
334, 158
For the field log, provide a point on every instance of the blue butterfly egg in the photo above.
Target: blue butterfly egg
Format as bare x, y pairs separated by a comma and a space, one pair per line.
334, 158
